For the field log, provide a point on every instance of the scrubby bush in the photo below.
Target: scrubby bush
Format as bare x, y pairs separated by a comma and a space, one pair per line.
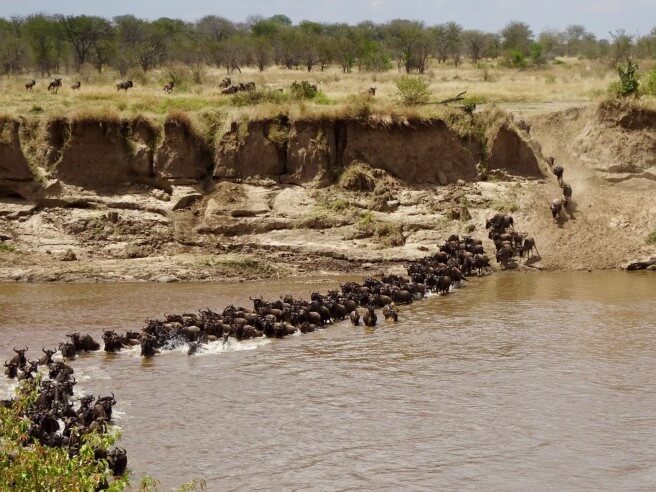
26, 465
515, 59
648, 83
252, 98
651, 237
303, 90
413, 90
357, 178
628, 83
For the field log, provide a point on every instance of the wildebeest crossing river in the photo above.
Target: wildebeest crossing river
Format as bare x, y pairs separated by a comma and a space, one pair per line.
518, 381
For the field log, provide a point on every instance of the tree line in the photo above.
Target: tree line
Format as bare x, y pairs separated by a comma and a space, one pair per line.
45, 44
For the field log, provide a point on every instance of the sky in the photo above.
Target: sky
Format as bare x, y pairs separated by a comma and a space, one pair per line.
598, 16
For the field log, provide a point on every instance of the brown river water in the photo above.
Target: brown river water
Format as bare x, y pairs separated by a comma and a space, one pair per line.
517, 381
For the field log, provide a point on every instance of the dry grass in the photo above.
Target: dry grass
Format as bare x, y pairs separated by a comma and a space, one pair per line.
570, 81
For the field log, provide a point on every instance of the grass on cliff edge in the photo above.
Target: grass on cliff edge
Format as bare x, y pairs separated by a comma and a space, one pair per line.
489, 81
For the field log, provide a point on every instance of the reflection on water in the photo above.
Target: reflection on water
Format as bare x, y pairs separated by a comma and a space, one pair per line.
516, 381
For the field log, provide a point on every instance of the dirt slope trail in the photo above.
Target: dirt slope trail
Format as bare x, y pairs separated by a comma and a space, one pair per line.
609, 222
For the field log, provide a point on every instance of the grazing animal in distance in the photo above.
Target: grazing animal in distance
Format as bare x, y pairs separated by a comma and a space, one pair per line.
30, 85
168, 88
372, 91
54, 85
76, 86
124, 85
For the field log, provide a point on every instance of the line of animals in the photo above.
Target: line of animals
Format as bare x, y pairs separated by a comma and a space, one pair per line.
559, 204
226, 85
55, 421
508, 242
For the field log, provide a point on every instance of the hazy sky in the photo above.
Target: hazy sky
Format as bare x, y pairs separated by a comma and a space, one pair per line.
599, 16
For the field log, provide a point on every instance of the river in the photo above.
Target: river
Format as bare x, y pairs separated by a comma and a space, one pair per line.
517, 381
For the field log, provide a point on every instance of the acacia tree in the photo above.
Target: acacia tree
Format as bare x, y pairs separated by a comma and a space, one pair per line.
411, 44
43, 35
474, 42
12, 50
83, 32
517, 36
139, 44
454, 41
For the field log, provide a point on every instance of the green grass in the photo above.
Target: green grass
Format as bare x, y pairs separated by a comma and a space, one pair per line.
6, 248
504, 205
651, 237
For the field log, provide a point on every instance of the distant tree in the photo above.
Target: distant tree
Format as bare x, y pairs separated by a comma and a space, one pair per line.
13, 57
140, 43
281, 19
44, 38
474, 42
553, 42
440, 36
411, 44
454, 41
493, 46
83, 32
620, 47
574, 35
517, 36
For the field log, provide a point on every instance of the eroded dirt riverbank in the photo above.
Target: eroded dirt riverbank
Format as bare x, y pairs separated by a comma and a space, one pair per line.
279, 198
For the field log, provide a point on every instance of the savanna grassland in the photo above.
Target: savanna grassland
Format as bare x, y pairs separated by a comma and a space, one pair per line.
564, 82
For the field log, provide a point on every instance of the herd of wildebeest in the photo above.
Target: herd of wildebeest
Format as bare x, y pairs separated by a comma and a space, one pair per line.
226, 86
57, 420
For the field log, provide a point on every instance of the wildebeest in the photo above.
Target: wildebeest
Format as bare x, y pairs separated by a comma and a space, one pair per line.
76, 86
83, 343
67, 350
527, 247
391, 312
124, 85
11, 370
556, 207
30, 85
54, 85
370, 317
567, 194
225, 83
557, 169
247, 87
118, 461
19, 359
168, 87
46, 359
355, 318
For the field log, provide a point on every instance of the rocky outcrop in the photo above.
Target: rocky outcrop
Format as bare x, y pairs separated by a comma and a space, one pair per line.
105, 152
513, 153
420, 152
256, 149
92, 153
183, 155
16, 177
